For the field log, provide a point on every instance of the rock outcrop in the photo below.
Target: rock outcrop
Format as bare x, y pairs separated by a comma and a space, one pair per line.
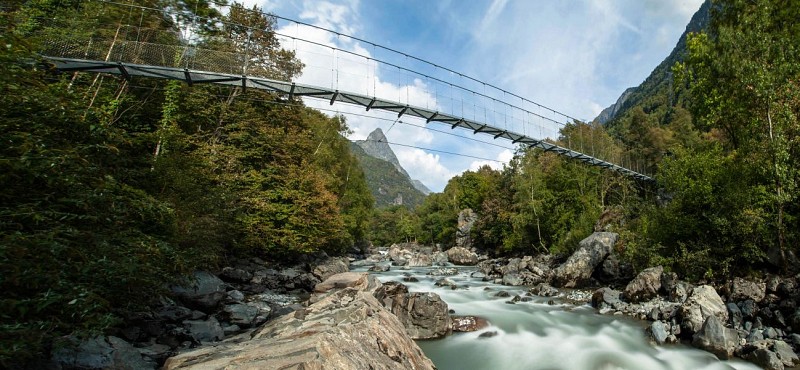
424, 315
345, 328
578, 269
466, 219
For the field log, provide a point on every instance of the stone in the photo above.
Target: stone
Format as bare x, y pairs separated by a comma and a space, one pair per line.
755, 335
236, 275
156, 352
204, 330
714, 337
330, 267
462, 256
658, 331
345, 328
439, 259
578, 269
740, 289
99, 353
467, 323
466, 219
785, 353
679, 292
173, 313
668, 281
204, 291
487, 334
424, 315
379, 268
610, 270
410, 279
241, 314
770, 333
748, 308
544, 290
419, 260
512, 279
502, 294
644, 286
357, 280
702, 303
606, 298
236, 296
445, 282
443, 271
734, 314
760, 355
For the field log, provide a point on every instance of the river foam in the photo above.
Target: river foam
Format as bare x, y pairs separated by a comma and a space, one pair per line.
544, 335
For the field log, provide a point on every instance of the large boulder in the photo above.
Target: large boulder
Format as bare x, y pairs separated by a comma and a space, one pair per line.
578, 269
462, 256
204, 330
714, 337
203, 291
644, 286
343, 329
702, 303
358, 280
424, 315
466, 218
330, 267
741, 290
419, 260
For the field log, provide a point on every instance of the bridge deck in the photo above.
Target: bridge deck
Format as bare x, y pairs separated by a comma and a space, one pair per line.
292, 90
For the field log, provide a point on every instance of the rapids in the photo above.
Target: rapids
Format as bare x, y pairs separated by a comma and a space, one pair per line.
544, 335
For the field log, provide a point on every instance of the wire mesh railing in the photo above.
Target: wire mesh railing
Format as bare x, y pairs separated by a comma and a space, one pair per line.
378, 72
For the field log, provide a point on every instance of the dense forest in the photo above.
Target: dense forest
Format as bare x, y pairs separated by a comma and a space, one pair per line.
113, 188
716, 125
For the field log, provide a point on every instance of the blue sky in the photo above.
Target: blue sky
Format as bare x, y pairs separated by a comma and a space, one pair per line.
574, 56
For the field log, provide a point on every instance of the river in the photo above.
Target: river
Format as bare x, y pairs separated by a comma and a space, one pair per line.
542, 335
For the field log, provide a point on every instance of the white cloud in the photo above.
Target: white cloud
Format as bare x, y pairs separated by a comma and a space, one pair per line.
423, 166
502, 158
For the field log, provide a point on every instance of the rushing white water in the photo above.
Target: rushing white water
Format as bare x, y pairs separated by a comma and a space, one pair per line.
536, 335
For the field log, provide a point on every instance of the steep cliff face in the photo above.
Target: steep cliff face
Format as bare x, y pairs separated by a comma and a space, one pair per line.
388, 181
659, 82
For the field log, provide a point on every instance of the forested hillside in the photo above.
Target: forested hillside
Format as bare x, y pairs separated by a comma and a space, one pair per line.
114, 188
722, 144
388, 185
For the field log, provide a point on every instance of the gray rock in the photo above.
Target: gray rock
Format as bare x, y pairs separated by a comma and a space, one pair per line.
241, 314
544, 290
487, 334
741, 289
604, 298
466, 219
204, 330
679, 292
424, 315
462, 256
236, 275
443, 271
714, 337
770, 333
236, 296
658, 331
755, 335
445, 282
668, 282
439, 259
644, 286
734, 314
330, 267
173, 313
512, 279
344, 328
748, 308
231, 329
702, 303
760, 355
204, 291
785, 353
578, 269
99, 353
156, 352
419, 260
379, 268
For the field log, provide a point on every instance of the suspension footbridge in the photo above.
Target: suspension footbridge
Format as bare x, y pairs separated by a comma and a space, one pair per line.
135, 51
